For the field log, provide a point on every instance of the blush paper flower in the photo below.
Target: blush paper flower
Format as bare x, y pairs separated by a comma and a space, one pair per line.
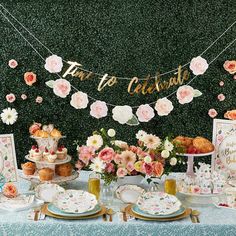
61, 87
12, 64
79, 100
212, 113
53, 64
145, 113
98, 109
10, 97
30, 78
230, 66
198, 65
185, 94
163, 106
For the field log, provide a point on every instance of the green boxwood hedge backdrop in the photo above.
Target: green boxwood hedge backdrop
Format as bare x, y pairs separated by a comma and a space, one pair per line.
125, 38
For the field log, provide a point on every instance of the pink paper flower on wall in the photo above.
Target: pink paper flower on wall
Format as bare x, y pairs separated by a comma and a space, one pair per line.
163, 106
12, 63
221, 97
10, 97
212, 113
185, 94
221, 83
39, 99
79, 100
30, 78
61, 87
23, 96
53, 64
145, 113
98, 109
230, 66
198, 65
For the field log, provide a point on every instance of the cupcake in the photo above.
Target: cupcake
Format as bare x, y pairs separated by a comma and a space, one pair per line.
46, 174
28, 168
64, 149
32, 151
52, 157
37, 156
46, 154
61, 153
64, 169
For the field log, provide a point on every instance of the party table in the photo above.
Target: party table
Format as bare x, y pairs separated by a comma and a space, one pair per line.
214, 221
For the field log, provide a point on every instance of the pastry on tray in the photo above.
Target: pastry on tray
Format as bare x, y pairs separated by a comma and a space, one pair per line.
46, 174
47, 131
203, 145
64, 169
28, 168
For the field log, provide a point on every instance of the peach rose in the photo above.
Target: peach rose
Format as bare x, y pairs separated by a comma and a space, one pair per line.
145, 113
79, 100
10, 97
163, 106
30, 78
185, 94
98, 109
231, 115
230, 66
212, 113
198, 65
53, 64
158, 169
34, 127
61, 87
12, 63
39, 99
221, 97
10, 190
121, 172
106, 154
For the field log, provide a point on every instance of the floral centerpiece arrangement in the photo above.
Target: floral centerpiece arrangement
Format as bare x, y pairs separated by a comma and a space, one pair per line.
151, 157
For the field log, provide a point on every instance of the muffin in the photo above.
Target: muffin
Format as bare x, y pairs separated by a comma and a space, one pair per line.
64, 169
28, 168
46, 174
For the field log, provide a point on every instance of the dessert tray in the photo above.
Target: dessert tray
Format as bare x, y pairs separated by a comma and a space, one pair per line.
44, 162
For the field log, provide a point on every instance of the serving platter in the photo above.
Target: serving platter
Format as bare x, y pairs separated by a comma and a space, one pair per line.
44, 162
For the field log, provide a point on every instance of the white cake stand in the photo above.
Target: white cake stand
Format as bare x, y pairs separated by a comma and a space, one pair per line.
190, 168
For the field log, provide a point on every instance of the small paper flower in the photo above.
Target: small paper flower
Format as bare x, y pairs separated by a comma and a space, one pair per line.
198, 65
231, 115
185, 94
122, 114
234, 77
98, 109
145, 113
79, 100
23, 96
212, 113
10, 190
30, 78
9, 116
163, 106
221, 97
10, 97
39, 99
12, 63
53, 64
61, 87
230, 66
221, 83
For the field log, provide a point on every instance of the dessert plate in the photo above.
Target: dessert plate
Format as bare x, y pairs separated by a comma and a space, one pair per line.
129, 193
56, 211
57, 161
75, 201
158, 203
48, 192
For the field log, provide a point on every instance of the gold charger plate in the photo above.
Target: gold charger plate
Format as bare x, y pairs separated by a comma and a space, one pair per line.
184, 215
46, 212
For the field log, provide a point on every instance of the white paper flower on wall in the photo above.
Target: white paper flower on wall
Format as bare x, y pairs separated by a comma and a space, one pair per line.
9, 116
122, 114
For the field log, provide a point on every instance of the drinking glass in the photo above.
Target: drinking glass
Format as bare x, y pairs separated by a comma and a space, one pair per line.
94, 184
170, 186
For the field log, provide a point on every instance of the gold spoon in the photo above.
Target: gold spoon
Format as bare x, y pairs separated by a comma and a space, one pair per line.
196, 213
110, 212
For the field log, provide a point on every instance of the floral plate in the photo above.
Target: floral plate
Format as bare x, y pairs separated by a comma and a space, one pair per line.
158, 203
48, 192
129, 193
75, 201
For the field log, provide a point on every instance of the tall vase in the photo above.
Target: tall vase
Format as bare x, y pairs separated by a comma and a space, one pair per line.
107, 194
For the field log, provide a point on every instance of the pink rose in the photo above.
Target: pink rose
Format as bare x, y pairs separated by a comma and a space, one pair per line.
79, 165
79, 100
185, 94
221, 83
212, 113
106, 154
39, 100
61, 87
10, 97
53, 64
221, 97
163, 106
230, 66
158, 169
12, 63
148, 168
30, 78
110, 168
118, 159
86, 153
98, 109
23, 96
130, 166
145, 113
121, 172
198, 65
34, 127
10, 190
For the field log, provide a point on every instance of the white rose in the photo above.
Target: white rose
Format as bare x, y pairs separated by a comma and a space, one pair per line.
168, 145
147, 159
173, 161
165, 153
121, 144
122, 114
111, 133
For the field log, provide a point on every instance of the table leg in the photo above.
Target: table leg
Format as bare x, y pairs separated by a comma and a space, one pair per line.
190, 170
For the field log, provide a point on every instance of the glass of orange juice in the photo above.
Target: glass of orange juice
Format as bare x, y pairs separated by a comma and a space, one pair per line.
170, 186
94, 184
